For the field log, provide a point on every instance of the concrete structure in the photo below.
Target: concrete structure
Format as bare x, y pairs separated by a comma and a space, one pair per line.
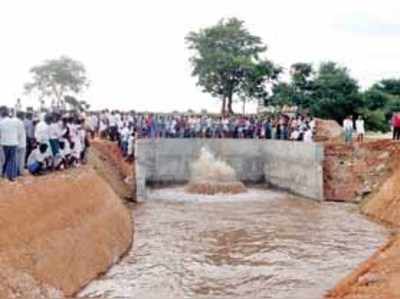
292, 166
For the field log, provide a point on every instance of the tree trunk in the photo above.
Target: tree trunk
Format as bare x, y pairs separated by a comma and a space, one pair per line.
244, 107
230, 110
223, 110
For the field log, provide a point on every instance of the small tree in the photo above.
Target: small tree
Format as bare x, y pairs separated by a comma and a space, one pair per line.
222, 54
57, 77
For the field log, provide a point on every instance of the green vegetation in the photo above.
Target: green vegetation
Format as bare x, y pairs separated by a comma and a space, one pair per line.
58, 79
229, 63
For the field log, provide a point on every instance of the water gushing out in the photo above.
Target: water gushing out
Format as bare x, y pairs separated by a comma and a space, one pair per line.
211, 176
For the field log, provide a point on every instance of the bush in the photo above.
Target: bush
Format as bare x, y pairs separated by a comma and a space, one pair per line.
375, 120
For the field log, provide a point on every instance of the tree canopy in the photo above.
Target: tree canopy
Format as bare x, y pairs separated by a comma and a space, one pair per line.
330, 92
56, 78
227, 62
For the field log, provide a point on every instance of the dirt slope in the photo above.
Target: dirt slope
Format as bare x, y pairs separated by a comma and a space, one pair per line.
106, 158
353, 172
379, 276
58, 232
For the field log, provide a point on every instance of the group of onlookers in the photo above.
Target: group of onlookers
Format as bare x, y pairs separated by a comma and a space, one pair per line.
283, 127
348, 127
359, 125
40, 142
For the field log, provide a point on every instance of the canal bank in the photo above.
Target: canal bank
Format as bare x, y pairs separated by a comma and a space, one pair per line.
377, 277
59, 232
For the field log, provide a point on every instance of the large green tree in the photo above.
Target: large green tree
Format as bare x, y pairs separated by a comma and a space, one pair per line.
56, 78
389, 86
329, 92
335, 94
224, 57
296, 92
380, 101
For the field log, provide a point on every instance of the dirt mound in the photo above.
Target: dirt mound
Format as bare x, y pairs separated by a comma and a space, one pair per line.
106, 158
215, 188
58, 232
327, 130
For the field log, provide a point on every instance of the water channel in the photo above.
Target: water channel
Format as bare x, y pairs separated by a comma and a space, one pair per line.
260, 244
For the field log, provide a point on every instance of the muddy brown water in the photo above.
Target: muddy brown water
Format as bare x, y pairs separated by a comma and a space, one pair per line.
261, 244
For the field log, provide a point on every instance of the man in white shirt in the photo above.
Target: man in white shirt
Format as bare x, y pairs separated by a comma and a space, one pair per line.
125, 133
55, 133
308, 135
9, 140
348, 129
42, 131
360, 129
39, 159
93, 124
21, 150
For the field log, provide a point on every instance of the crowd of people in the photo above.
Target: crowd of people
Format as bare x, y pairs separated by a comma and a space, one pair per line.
283, 127
39, 142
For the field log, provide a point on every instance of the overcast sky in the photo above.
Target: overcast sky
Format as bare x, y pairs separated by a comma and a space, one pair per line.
136, 57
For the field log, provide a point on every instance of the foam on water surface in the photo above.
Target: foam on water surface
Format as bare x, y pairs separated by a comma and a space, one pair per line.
179, 194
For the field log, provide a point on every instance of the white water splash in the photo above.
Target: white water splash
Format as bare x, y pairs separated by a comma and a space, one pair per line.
210, 169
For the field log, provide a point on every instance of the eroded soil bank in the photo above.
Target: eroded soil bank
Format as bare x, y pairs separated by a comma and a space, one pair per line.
369, 174
58, 232
106, 158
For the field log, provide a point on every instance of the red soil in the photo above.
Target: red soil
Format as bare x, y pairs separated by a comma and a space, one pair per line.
58, 232
379, 276
352, 172
106, 158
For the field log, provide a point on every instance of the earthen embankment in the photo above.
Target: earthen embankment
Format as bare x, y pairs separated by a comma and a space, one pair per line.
58, 232
379, 276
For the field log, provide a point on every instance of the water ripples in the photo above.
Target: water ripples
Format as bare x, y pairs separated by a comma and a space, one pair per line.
260, 244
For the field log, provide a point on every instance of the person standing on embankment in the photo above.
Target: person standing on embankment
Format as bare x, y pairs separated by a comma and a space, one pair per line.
348, 128
9, 141
396, 126
360, 129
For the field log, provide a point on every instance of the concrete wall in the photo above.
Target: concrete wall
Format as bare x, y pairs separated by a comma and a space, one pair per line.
293, 166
